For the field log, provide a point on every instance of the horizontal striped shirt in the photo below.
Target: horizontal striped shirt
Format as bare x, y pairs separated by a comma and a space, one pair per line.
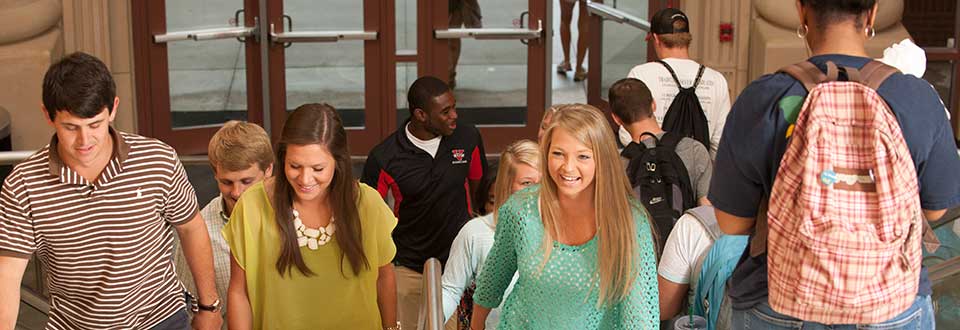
106, 245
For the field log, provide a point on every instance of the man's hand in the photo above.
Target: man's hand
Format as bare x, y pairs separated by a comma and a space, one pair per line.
196, 247
206, 320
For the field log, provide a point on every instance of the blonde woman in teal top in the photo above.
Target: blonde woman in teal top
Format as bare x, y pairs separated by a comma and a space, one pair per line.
582, 246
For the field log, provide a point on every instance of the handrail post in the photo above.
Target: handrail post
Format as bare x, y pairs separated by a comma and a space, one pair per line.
431, 308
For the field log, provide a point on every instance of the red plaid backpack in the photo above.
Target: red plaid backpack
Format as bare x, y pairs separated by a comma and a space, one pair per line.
844, 219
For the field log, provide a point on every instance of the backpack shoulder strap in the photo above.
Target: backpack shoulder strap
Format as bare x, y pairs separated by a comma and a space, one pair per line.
670, 139
696, 82
633, 150
810, 75
708, 219
875, 73
672, 73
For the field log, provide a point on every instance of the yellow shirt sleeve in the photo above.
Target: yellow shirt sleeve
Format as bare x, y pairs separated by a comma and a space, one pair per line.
246, 220
377, 214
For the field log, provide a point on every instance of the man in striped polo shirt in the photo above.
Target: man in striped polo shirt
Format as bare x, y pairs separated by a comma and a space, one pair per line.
96, 207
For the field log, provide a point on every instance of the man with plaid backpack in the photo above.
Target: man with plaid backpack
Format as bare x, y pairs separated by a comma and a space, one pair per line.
834, 166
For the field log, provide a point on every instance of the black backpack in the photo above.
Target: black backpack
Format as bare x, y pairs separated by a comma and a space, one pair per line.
661, 182
685, 115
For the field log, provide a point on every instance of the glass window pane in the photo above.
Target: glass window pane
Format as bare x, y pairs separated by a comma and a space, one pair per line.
490, 75
564, 88
406, 75
946, 287
207, 78
331, 73
624, 46
406, 13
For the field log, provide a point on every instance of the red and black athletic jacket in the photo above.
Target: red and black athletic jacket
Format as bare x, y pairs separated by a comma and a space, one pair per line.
432, 195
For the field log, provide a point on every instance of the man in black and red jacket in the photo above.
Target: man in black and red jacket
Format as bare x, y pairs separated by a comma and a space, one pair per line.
432, 167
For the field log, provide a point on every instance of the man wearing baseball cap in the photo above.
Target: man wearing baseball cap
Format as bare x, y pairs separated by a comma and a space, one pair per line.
670, 32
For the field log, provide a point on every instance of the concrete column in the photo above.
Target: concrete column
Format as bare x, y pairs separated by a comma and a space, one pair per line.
774, 42
30, 41
102, 28
86, 28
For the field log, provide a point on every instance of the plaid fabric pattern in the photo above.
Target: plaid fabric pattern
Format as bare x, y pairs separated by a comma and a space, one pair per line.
844, 256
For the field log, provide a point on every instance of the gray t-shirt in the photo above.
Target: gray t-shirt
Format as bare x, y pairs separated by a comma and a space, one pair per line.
695, 158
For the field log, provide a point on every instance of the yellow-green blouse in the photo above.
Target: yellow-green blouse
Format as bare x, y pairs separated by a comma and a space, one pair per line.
327, 300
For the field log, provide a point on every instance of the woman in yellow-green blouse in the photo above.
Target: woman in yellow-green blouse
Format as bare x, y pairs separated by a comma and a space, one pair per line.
311, 246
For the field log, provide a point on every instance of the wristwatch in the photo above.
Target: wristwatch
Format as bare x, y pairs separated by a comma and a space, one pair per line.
214, 307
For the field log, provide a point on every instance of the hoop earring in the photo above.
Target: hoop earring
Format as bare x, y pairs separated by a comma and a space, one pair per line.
871, 32
802, 31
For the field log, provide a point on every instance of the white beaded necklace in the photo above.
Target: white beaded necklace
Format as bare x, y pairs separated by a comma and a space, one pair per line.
312, 238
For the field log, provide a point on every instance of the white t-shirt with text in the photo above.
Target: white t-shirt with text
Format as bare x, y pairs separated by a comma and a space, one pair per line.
712, 91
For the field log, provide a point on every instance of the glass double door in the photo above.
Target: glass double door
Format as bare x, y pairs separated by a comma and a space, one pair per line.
203, 63
618, 36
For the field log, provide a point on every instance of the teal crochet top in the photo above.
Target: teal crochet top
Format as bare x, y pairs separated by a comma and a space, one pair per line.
564, 294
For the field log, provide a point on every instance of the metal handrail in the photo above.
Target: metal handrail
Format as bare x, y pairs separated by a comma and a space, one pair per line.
617, 15
13, 157
431, 308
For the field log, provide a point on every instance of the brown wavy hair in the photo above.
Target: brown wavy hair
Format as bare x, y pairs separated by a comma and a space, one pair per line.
318, 124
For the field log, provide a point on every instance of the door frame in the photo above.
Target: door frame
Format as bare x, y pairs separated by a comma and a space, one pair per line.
433, 59
377, 73
154, 117
152, 80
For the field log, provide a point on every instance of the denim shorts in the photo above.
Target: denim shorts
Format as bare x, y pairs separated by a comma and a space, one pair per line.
918, 317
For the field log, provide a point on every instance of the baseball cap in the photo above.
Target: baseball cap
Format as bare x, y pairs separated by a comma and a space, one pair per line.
663, 22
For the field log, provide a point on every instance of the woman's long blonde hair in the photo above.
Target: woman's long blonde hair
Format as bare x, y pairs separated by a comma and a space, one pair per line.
520, 152
613, 209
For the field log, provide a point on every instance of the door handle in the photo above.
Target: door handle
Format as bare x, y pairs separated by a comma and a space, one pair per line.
319, 36
522, 15
491, 33
210, 33
617, 15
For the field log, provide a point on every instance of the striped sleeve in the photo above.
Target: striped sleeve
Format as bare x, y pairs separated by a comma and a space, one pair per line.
17, 237
181, 202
